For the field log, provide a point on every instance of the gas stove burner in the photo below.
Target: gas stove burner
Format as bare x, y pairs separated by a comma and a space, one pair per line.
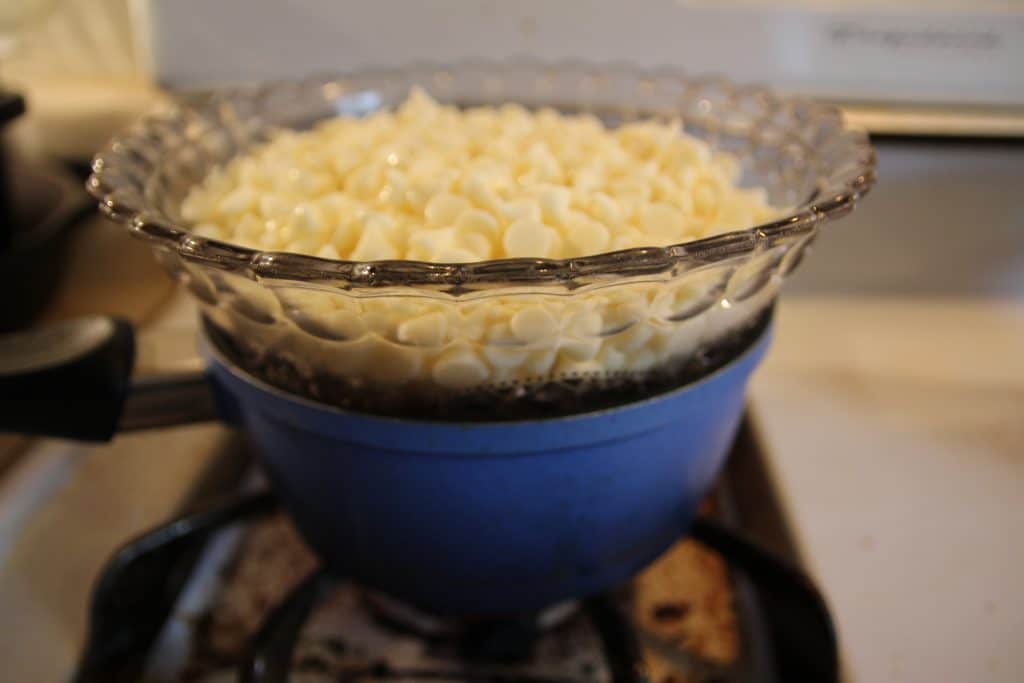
320, 633
405, 616
326, 628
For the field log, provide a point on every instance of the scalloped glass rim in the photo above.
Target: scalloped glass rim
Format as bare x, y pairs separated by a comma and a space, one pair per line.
833, 200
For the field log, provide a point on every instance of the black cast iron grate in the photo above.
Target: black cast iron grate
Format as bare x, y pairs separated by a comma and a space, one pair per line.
139, 587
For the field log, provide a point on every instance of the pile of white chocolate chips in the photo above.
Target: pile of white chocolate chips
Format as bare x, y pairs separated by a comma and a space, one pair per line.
436, 183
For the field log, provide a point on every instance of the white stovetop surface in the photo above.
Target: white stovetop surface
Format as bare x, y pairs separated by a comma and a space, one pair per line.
895, 430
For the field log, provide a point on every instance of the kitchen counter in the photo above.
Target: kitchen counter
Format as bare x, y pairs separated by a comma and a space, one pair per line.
895, 430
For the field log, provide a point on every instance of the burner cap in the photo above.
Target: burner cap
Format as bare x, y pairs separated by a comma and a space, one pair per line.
405, 616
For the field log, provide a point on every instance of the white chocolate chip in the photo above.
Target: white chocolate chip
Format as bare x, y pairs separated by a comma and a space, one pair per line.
611, 359
625, 313
307, 183
526, 237
631, 188
393, 192
728, 165
344, 324
533, 324
443, 209
328, 251
196, 207
270, 241
579, 349
426, 330
640, 360
274, 206
455, 254
459, 368
382, 223
209, 230
705, 198
301, 246
584, 324
345, 161
554, 203
572, 367
475, 244
633, 339
605, 209
477, 220
374, 246
479, 190
661, 219
392, 364
238, 201
344, 237
379, 321
505, 357
544, 167
338, 206
310, 219
539, 363
556, 248
365, 181
629, 239
521, 209
681, 339
587, 237
500, 333
250, 228
587, 180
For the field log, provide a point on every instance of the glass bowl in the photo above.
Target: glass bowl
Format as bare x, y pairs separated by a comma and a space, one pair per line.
612, 326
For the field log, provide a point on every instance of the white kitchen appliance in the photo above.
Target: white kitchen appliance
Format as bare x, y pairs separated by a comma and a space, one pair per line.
908, 51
